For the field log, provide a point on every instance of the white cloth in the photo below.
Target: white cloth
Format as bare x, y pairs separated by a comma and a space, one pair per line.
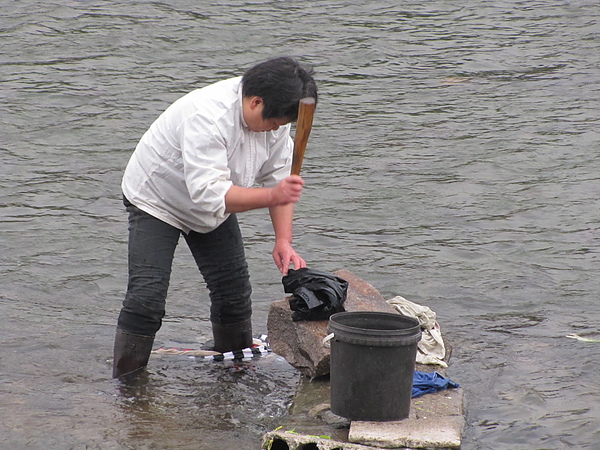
431, 348
195, 151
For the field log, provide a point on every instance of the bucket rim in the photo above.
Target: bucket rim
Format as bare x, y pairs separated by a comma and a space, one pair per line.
337, 323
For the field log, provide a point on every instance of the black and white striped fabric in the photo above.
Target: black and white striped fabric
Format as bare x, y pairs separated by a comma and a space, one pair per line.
260, 348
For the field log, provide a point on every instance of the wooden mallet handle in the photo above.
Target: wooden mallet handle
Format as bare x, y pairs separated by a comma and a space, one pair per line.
306, 112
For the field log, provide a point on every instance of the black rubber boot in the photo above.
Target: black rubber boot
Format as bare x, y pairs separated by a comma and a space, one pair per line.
132, 352
233, 336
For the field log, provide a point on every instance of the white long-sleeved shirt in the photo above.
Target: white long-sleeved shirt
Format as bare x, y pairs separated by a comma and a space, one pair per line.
195, 151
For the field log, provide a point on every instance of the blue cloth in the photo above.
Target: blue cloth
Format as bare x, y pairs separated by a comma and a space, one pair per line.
425, 383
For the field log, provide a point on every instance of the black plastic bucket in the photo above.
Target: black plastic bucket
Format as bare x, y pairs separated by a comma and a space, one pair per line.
372, 364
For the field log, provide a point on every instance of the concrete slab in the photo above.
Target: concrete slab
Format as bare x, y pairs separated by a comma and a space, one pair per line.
436, 432
436, 421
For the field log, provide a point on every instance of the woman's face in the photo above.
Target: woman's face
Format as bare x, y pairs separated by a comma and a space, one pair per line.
253, 109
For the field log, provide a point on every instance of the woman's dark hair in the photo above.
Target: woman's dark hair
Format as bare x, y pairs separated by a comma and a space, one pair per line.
281, 83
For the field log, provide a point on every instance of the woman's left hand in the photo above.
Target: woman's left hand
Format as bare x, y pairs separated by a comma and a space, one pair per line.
284, 254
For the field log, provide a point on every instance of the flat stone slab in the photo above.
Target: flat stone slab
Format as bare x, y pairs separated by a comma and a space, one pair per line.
439, 433
435, 421
301, 343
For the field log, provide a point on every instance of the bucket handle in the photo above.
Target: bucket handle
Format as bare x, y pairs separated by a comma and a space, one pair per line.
326, 340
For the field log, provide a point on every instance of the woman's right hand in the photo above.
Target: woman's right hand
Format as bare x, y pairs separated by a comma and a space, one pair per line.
287, 191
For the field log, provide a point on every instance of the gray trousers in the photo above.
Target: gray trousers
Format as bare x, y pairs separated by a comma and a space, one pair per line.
219, 255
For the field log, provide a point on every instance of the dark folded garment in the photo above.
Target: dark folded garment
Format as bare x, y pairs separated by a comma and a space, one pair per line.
316, 294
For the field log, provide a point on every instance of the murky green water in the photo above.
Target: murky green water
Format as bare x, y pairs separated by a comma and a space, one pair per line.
454, 161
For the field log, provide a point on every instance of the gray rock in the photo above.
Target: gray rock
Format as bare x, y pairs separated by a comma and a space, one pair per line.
301, 343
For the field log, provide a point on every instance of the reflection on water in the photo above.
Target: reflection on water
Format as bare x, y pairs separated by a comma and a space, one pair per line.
453, 161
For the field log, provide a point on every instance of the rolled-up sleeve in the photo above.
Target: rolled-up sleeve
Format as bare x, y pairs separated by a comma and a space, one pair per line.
206, 174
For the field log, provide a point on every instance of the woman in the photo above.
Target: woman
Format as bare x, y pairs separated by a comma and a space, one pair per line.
191, 172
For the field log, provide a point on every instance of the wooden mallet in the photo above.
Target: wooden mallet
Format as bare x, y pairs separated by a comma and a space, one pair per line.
306, 112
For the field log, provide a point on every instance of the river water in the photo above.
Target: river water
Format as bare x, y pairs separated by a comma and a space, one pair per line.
454, 160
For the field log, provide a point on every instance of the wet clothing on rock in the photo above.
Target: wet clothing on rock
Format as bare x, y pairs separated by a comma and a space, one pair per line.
426, 383
431, 348
316, 294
